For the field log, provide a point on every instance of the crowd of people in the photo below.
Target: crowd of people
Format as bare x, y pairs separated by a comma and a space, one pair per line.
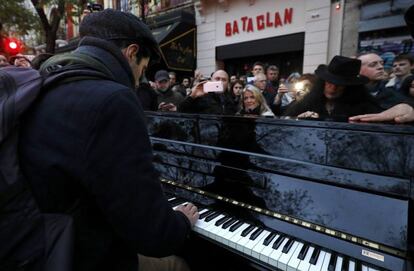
343, 90
346, 87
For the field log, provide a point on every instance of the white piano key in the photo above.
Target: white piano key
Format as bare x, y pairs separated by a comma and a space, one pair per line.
237, 236
319, 262
276, 253
265, 253
220, 233
372, 269
351, 266
304, 265
285, 257
200, 226
294, 261
338, 266
212, 228
201, 210
227, 236
244, 240
248, 248
184, 203
257, 249
364, 268
326, 261
171, 199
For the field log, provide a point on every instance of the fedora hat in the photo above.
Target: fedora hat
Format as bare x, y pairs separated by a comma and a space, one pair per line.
342, 71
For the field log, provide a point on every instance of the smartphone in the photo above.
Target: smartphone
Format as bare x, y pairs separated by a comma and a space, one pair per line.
250, 79
216, 86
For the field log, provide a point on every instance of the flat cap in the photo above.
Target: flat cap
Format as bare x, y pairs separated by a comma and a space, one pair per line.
161, 75
112, 24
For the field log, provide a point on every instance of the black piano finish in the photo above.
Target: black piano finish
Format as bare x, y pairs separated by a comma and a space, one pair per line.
354, 179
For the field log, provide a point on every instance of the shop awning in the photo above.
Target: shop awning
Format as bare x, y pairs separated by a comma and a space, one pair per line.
275, 45
178, 45
175, 32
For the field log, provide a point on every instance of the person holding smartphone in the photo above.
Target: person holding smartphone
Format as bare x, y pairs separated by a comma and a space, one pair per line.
167, 99
210, 97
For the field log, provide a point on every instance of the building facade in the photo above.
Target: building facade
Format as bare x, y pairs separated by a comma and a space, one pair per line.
380, 28
295, 35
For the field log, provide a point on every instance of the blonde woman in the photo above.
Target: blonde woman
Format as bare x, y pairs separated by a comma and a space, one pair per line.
253, 103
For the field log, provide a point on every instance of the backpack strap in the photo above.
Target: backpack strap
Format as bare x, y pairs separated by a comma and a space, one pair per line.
71, 74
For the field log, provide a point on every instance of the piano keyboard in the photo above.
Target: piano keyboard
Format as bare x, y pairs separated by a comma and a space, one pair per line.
270, 247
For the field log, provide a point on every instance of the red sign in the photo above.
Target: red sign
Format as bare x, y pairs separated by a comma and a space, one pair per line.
260, 22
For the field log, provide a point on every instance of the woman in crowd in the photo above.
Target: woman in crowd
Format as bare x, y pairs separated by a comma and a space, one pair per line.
236, 89
252, 103
338, 93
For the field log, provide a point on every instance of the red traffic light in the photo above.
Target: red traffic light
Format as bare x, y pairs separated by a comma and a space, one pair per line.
12, 45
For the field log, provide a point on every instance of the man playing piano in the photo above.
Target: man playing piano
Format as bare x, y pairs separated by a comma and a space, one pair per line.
86, 140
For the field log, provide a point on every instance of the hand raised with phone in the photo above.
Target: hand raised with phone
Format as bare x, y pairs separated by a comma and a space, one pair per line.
204, 87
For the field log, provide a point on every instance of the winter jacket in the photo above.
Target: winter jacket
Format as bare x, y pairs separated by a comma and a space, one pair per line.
87, 140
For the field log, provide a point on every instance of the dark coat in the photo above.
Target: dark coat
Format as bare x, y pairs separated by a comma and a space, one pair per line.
355, 100
386, 97
169, 96
212, 103
88, 140
147, 96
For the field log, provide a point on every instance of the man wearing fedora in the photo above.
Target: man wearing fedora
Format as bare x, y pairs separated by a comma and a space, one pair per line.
338, 93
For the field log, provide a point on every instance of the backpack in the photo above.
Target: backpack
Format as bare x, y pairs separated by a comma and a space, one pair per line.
29, 239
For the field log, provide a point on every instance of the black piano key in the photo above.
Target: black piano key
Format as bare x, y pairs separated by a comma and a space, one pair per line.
269, 238
288, 246
315, 256
256, 233
236, 226
278, 241
222, 220
345, 264
358, 265
202, 211
303, 251
205, 214
332, 262
176, 202
229, 223
247, 230
212, 216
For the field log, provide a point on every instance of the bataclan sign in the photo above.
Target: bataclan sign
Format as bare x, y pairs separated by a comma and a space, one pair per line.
260, 22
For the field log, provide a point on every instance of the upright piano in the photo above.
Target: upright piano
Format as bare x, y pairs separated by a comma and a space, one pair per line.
293, 195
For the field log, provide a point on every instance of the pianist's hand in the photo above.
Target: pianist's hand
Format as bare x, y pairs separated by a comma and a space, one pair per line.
400, 113
190, 211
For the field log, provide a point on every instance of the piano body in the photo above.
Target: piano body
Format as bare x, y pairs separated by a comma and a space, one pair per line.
293, 195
